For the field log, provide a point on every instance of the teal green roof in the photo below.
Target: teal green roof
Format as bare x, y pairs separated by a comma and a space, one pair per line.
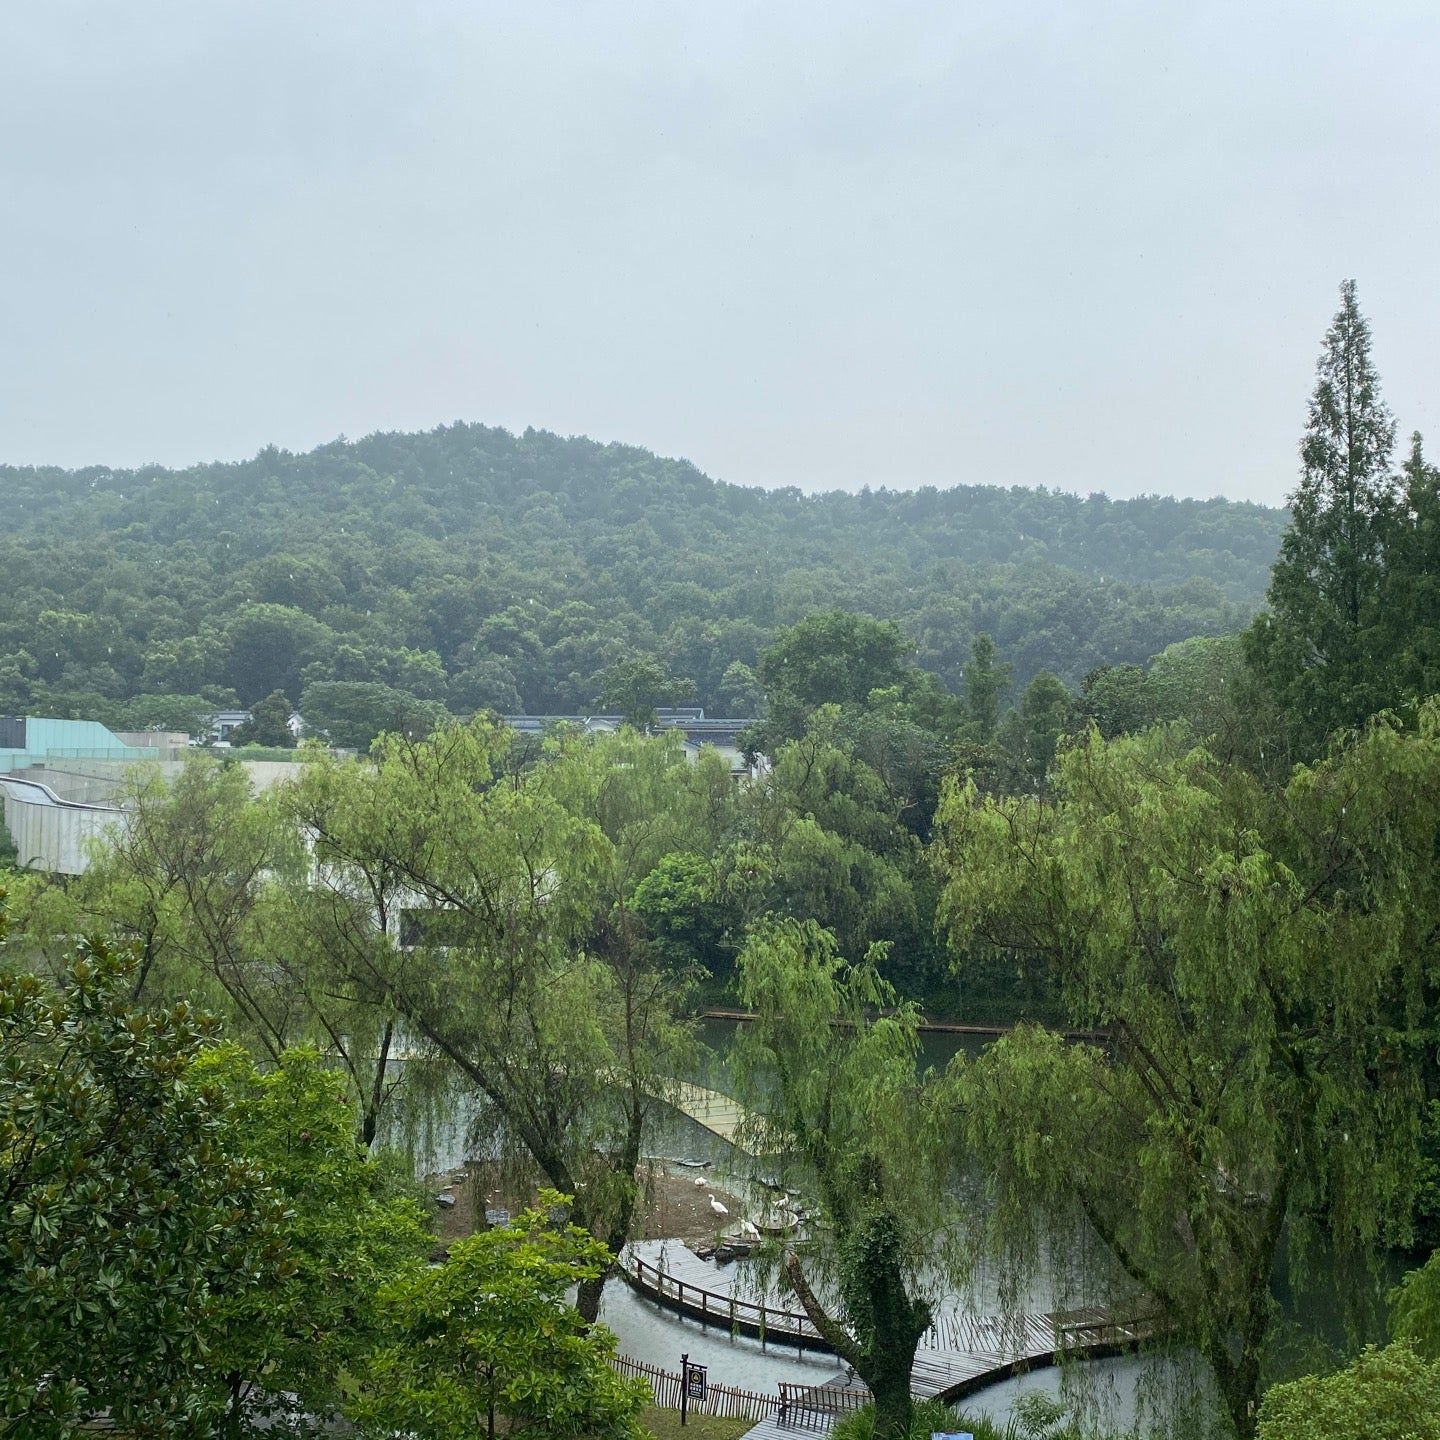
48, 740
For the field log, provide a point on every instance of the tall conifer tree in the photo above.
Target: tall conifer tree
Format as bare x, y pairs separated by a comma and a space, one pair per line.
986, 680
1321, 647
1415, 564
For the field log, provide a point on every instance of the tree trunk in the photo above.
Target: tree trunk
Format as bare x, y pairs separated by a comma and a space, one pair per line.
1240, 1405
376, 1098
234, 1413
893, 1407
1239, 1385
886, 1362
587, 1298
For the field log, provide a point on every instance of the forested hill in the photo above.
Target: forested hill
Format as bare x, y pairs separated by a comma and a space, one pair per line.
476, 567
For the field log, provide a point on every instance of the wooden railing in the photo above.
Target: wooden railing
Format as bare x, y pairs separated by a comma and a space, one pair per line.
801, 1405
750, 1317
812, 1405
723, 1400
1100, 1328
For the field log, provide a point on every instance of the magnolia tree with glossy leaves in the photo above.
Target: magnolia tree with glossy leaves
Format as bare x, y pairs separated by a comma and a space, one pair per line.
123, 1213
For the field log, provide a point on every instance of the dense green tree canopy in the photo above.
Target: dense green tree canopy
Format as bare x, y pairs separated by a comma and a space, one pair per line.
636, 686
1389, 1394
352, 713
834, 658
986, 681
1353, 605
123, 1214
292, 1337
1413, 631
531, 977
487, 1343
269, 723
487, 570
836, 1093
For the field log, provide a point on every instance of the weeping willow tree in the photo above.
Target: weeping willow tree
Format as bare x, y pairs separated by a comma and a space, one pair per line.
1261, 961
183, 880
213, 886
835, 1090
526, 969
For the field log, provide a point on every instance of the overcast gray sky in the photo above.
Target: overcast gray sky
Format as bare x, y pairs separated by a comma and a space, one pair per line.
1092, 245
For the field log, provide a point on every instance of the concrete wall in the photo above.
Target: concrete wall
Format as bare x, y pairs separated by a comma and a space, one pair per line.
54, 837
71, 780
97, 782
71, 740
167, 744
53, 812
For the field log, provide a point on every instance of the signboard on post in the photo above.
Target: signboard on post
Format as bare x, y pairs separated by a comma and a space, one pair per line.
692, 1384
695, 1382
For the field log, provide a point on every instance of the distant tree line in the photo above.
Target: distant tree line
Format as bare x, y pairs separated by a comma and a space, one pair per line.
472, 569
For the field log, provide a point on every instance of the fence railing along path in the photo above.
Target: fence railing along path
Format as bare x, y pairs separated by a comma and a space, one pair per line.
674, 1274
723, 1400
959, 1355
805, 1406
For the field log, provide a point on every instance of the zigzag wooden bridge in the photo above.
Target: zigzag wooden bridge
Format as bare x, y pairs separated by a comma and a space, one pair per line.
960, 1354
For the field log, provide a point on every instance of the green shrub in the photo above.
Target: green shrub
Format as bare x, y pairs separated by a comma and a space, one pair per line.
929, 1416
1036, 1416
1389, 1394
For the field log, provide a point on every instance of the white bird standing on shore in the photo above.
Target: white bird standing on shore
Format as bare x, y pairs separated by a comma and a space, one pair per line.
750, 1231
717, 1207
701, 1183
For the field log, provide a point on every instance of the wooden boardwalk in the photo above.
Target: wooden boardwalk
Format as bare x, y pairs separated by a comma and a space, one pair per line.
718, 1113
672, 1273
925, 1027
958, 1356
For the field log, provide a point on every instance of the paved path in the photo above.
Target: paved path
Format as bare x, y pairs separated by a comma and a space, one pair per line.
680, 1263
776, 1429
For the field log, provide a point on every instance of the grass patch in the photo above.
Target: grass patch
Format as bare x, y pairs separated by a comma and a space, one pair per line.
665, 1425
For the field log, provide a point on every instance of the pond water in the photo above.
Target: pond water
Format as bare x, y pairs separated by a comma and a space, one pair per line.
1104, 1391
